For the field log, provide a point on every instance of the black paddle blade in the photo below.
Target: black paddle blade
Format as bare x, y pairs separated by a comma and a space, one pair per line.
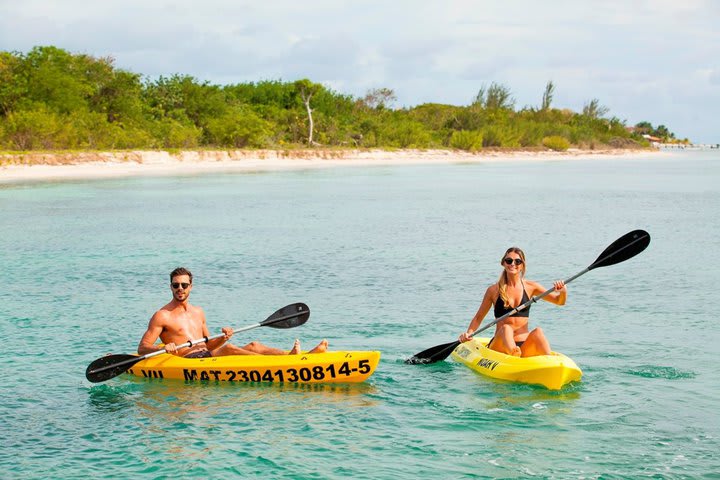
433, 354
622, 249
109, 366
289, 316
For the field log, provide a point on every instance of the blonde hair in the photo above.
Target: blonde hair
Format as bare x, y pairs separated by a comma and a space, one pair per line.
502, 282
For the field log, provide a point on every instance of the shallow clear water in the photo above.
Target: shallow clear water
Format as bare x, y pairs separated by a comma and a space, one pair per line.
388, 258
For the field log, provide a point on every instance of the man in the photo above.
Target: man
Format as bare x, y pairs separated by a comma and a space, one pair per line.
178, 321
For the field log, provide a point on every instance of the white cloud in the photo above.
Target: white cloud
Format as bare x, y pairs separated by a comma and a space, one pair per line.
714, 76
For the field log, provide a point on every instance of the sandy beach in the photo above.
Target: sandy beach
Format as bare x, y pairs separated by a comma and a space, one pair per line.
35, 167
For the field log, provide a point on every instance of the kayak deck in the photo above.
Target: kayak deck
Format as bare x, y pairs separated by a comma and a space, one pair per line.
552, 371
328, 367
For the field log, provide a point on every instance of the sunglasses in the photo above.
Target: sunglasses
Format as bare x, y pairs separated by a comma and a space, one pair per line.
509, 261
177, 285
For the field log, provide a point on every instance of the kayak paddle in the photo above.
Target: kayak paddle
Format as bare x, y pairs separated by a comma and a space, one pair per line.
620, 250
110, 366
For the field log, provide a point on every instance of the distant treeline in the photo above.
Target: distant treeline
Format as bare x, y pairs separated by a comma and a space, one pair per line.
51, 99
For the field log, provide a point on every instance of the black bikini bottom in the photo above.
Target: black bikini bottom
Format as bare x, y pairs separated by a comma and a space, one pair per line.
519, 344
199, 354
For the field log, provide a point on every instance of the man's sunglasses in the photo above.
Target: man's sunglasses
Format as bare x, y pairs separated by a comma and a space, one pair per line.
177, 285
509, 261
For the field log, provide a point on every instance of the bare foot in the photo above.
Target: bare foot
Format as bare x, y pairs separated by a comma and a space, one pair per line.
516, 352
296, 348
321, 347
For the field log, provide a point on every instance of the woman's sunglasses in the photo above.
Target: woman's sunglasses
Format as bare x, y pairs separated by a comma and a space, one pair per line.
509, 261
177, 285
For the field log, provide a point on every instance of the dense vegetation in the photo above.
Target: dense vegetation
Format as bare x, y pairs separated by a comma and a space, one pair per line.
51, 99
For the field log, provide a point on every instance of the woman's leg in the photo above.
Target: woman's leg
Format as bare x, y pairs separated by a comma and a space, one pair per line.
504, 341
536, 344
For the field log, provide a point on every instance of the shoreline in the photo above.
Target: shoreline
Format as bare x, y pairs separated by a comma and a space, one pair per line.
40, 167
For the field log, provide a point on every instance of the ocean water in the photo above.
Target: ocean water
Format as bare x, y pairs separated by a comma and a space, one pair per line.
388, 258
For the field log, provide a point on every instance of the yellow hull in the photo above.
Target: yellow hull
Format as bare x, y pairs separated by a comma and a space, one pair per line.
552, 371
329, 367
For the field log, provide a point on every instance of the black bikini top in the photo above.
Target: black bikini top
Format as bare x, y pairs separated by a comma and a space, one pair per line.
500, 309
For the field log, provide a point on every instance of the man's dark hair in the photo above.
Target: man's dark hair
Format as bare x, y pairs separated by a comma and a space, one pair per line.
181, 271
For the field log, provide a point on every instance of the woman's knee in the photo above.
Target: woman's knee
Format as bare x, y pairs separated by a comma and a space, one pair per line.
505, 330
538, 332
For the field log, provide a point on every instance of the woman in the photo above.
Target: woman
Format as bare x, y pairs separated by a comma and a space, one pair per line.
512, 290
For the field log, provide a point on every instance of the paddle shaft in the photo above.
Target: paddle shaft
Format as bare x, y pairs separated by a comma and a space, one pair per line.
190, 343
134, 360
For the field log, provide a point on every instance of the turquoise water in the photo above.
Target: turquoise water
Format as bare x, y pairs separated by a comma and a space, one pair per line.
388, 258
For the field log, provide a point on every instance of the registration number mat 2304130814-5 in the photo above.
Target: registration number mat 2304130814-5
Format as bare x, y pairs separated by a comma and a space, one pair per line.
316, 373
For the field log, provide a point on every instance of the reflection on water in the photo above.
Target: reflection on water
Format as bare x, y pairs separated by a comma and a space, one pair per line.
532, 401
171, 399
202, 416
109, 398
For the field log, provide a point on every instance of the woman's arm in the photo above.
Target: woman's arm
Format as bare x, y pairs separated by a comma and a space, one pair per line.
558, 297
484, 308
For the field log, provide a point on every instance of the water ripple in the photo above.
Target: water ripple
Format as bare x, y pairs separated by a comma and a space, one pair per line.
656, 371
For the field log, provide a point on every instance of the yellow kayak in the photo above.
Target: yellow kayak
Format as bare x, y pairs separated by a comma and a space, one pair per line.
552, 371
328, 367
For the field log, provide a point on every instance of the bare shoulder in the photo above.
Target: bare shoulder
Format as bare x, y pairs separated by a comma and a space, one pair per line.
533, 287
492, 291
161, 316
197, 312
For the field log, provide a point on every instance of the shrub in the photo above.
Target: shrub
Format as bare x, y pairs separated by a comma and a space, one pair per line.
171, 133
404, 134
238, 128
33, 129
556, 142
500, 136
465, 140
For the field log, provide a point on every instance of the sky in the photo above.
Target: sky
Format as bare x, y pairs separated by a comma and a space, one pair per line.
645, 60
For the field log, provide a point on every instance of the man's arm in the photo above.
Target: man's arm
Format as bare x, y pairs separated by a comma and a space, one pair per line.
217, 342
154, 329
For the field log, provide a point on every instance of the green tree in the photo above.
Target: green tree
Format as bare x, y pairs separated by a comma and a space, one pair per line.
644, 127
548, 96
57, 79
119, 97
378, 98
593, 109
12, 86
53, 99
495, 97
306, 90
662, 131
239, 127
